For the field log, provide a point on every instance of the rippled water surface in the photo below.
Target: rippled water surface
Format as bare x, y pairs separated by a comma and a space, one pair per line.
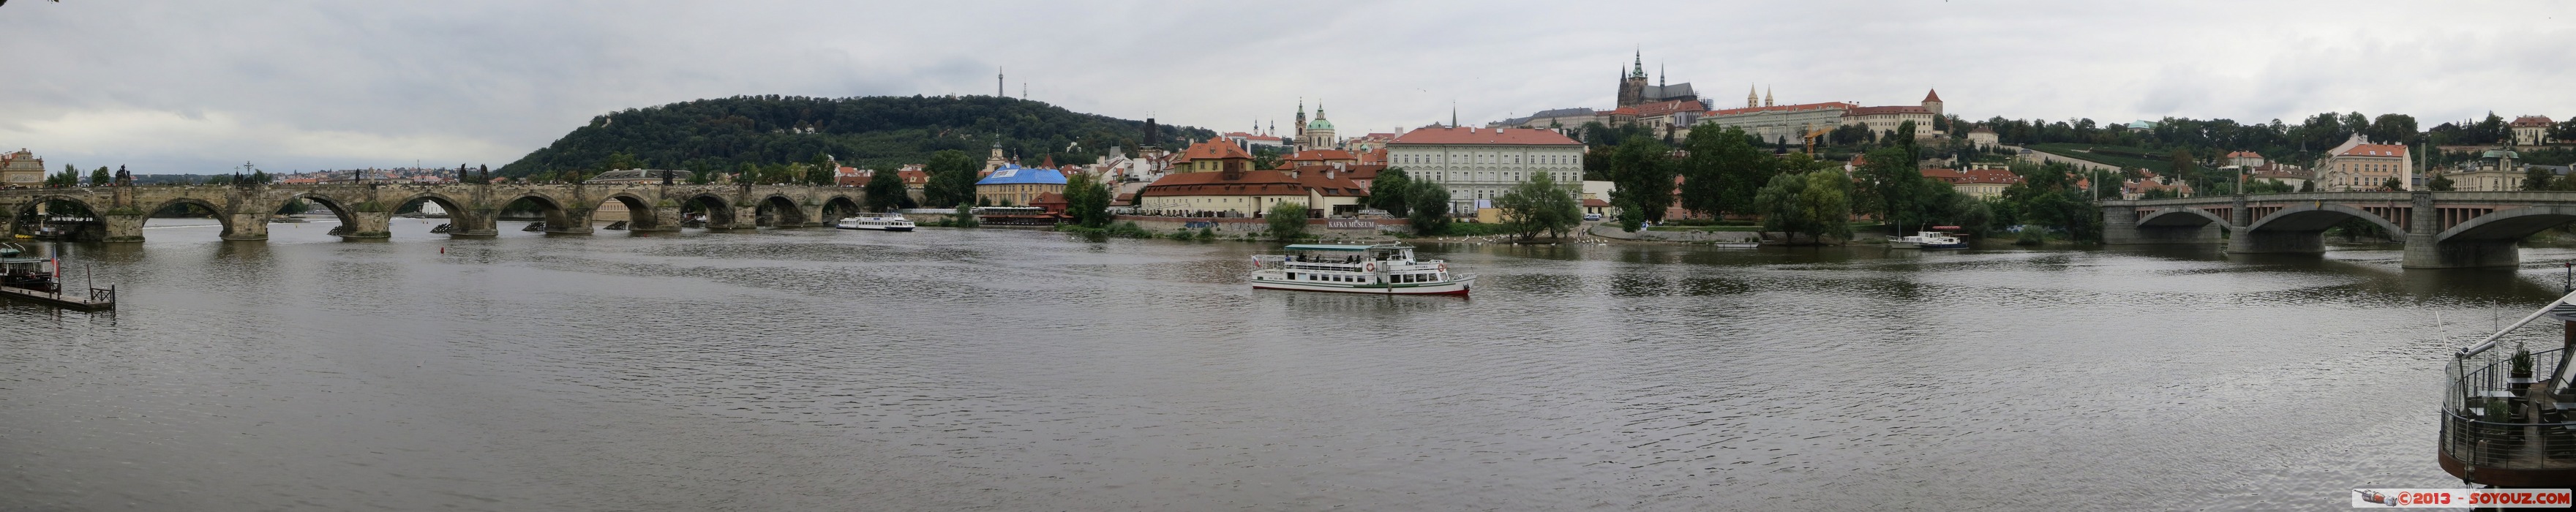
819, 369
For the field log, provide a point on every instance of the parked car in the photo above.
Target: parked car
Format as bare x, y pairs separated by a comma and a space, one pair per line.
1591, 217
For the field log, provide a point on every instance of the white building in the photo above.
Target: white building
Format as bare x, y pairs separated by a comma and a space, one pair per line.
1783, 124
2358, 165
1484, 163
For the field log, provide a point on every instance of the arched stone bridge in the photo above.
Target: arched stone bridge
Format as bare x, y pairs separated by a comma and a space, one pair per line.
2441, 229
366, 210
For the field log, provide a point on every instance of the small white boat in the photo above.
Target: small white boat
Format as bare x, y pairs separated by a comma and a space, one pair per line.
1387, 269
876, 221
1926, 240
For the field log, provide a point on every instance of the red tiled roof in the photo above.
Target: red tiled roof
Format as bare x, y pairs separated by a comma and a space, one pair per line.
1214, 148
1623, 111
2531, 121
1472, 135
1253, 183
1665, 107
1899, 109
1934, 96
1595, 203
2381, 150
1802, 107
2244, 154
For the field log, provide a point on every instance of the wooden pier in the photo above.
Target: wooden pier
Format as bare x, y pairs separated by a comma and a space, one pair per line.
99, 299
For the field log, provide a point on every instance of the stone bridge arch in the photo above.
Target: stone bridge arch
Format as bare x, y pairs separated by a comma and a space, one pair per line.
839, 206
462, 218
720, 213
779, 210
561, 215
2180, 216
2300, 228
643, 213
22, 215
221, 216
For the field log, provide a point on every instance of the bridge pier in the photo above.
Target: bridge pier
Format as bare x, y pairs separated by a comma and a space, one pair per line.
2426, 249
365, 224
576, 221
122, 227
479, 223
247, 226
744, 216
665, 218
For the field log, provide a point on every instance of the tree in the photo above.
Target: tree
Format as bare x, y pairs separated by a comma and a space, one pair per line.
1265, 158
1428, 208
259, 177
884, 192
965, 216
1788, 206
1087, 201
1629, 219
2439, 183
1539, 205
1288, 221
620, 160
2391, 184
1643, 171
952, 179
821, 171
1723, 171
1893, 187
100, 177
1387, 191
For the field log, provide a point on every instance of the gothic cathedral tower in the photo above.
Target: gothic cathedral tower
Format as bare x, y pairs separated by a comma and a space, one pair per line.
1632, 85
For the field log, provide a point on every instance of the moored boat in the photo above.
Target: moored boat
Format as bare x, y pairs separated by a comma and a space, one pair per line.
18, 270
1926, 240
1387, 269
2509, 417
876, 221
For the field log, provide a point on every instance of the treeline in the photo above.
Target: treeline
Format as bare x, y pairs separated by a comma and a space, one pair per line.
881, 132
1724, 173
2301, 143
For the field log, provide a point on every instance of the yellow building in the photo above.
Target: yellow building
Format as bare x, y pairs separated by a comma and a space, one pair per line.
1013, 185
1246, 193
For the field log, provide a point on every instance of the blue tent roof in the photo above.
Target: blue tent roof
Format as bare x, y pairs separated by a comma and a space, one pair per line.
1016, 175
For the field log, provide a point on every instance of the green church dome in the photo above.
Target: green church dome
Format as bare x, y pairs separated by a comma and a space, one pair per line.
1319, 124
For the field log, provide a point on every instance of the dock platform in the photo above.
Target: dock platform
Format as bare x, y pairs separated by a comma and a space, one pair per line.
99, 299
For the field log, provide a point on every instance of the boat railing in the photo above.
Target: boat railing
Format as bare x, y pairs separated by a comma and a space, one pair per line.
2510, 410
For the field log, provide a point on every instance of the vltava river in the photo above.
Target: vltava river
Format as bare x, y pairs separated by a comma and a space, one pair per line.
820, 369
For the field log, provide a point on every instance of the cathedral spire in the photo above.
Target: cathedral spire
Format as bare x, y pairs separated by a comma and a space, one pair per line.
1766, 96
1640, 70
1751, 100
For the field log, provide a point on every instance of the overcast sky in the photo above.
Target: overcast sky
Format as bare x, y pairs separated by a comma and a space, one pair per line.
171, 86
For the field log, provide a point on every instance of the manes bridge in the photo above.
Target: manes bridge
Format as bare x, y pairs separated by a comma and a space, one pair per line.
367, 210
2441, 229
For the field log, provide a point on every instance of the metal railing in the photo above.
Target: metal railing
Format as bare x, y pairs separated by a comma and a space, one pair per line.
2503, 410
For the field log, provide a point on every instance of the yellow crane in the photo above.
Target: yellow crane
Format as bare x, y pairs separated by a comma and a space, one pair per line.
1812, 134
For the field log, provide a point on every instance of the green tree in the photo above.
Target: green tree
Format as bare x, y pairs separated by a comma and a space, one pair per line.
1894, 188
2439, 183
1630, 220
1265, 158
1387, 191
2536, 178
100, 177
69, 177
1642, 168
1087, 201
1816, 203
1540, 205
260, 177
620, 160
747, 173
1288, 221
1429, 208
952, 179
820, 171
965, 216
884, 192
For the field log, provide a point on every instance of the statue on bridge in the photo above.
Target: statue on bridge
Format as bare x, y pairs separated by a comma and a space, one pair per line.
124, 179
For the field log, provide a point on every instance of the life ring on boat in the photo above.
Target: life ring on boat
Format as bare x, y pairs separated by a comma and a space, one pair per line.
1368, 267
1444, 267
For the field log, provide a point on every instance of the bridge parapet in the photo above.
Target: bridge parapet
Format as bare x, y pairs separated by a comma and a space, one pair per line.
366, 210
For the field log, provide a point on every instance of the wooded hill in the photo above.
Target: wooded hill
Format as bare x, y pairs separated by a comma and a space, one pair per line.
880, 132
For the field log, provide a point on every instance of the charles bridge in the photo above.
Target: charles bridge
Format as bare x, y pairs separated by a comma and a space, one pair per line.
367, 210
2441, 229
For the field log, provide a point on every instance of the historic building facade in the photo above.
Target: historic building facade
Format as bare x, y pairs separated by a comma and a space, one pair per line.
22, 169
2358, 165
2532, 130
1481, 164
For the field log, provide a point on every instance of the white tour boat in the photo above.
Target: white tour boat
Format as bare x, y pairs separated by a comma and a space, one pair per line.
1926, 240
876, 221
1382, 269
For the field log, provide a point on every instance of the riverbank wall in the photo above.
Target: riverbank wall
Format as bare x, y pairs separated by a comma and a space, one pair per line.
1327, 230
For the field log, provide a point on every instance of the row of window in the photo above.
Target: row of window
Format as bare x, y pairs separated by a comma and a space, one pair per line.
1402, 158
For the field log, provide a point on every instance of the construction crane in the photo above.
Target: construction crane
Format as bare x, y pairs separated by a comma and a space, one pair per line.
1812, 134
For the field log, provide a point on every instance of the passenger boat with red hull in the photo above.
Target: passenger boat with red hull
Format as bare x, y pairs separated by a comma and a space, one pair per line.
2509, 413
1385, 269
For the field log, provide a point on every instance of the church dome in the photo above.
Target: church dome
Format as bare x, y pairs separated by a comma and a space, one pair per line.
2499, 153
1319, 124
